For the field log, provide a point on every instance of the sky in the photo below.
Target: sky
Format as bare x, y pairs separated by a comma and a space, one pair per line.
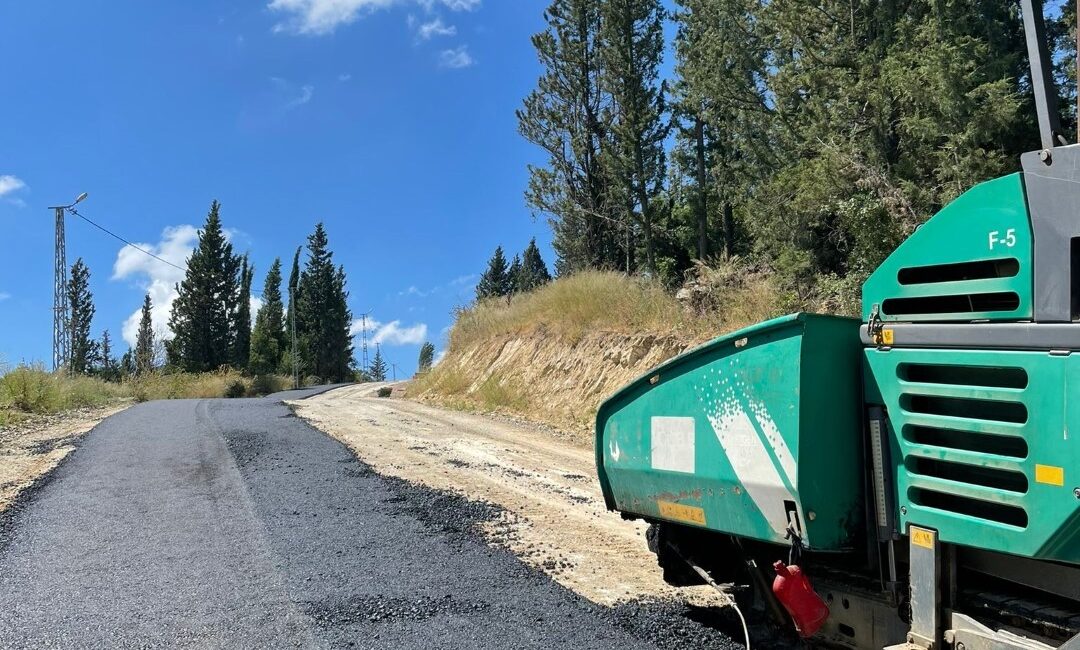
391, 121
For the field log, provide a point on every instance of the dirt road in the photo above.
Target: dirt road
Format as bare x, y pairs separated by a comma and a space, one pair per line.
556, 520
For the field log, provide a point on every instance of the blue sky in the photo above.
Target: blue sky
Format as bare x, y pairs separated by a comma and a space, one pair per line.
392, 121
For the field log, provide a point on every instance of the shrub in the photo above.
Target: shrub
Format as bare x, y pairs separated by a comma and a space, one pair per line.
268, 384
30, 389
235, 388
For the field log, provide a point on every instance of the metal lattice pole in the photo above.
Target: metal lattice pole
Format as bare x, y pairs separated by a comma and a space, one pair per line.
60, 297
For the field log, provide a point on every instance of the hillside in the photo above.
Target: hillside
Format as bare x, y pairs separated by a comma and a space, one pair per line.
551, 356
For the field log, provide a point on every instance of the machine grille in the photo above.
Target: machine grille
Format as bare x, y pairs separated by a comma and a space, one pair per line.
963, 441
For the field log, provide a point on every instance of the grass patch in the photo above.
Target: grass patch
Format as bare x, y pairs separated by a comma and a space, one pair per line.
608, 301
30, 390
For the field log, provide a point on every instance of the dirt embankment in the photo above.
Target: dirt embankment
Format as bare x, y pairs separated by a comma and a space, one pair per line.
36, 445
544, 377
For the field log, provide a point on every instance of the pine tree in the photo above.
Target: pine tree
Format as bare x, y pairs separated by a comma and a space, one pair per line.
631, 47
323, 318
80, 315
377, 371
241, 343
203, 319
565, 116
106, 364
144, 342
533, 273
495, 281
268, 340
127, 363
514, 275
427, 357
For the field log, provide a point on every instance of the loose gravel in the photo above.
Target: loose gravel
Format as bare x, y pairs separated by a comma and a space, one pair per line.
232, 523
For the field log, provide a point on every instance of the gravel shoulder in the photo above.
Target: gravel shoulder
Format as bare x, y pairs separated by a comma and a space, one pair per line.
36, 446
553, 515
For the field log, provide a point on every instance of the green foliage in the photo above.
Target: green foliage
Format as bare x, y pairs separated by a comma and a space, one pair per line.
204, 315
80, 314
106, 366
533, 272
235, 388
268, 341
496, 281
241, 343
323, 318
567, 117
427, 357
810, 137
377, 369
144, 341
631, 48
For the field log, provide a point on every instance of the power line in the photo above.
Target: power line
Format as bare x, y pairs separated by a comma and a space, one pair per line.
116, 236
137, 247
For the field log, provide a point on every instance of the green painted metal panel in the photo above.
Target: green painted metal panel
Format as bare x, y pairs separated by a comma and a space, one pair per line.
732, 434
985, 445
970, 261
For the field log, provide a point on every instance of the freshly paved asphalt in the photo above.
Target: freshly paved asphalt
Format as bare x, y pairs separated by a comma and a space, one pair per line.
231, 523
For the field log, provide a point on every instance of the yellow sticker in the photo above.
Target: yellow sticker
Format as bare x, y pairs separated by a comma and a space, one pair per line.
1050, 475
922, 537
886, 337
680, 512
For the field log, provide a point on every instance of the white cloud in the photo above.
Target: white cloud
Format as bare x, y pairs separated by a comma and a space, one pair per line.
9, 185
4, 296
414, 291
456, 58
344, 76
318, 17
464, 279
156, 277
439, 356
305, 96
392, 333
435, 28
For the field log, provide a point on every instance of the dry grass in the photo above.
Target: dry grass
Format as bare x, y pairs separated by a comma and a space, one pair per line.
29, 390
612, 302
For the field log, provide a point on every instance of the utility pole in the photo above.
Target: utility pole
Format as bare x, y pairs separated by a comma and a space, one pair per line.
393, 367
363, 340
61, 333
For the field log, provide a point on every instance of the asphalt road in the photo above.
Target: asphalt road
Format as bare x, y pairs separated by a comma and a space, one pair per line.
232, 523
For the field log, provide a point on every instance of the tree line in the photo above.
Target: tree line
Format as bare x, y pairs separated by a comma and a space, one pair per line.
810, 135
211, 320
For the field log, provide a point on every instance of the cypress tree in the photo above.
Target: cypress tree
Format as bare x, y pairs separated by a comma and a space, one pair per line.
80, 315
268, 340
534, 272
241, 343
495, 281
377, 371
293, 359
203, 318
323, 318
144, 342
427, 357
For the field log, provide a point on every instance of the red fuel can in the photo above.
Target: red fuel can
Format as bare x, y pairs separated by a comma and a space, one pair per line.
793, 590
